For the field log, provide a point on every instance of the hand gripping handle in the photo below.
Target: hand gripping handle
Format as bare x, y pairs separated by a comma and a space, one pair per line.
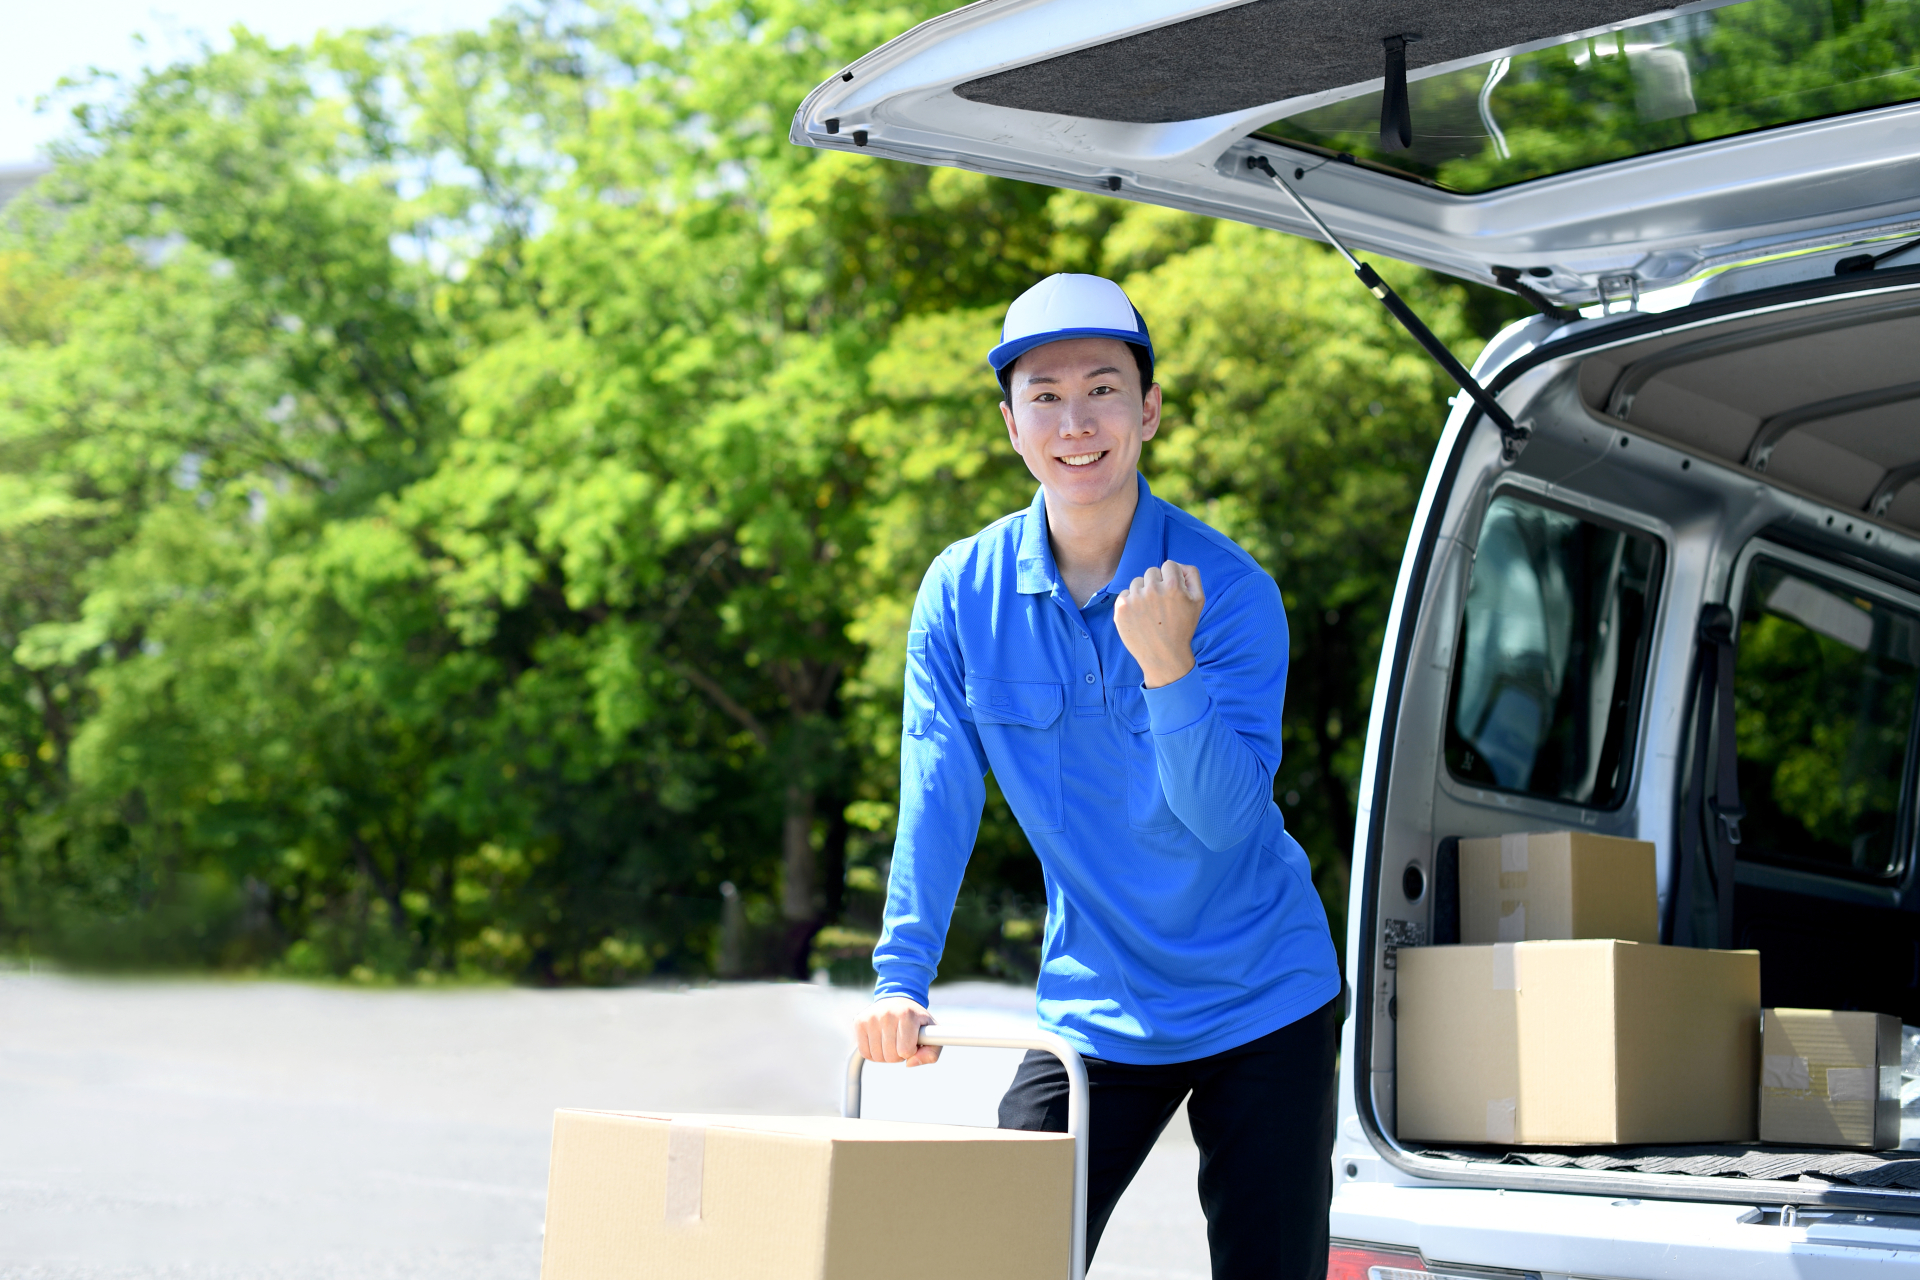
1046, 1042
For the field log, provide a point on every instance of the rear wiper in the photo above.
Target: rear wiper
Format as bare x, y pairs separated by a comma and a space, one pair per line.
1513, 435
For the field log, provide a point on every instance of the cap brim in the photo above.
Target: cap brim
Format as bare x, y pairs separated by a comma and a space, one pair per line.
1007, 352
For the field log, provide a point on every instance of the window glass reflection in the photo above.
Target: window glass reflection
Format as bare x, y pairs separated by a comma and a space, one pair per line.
1824, 688
1552, 654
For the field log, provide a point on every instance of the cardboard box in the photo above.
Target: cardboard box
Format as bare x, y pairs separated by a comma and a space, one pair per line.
1557, 884
1830, 1078
1576, 1043
640, 1194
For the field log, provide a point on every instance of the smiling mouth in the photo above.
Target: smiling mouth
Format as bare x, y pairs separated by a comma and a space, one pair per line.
1083, 459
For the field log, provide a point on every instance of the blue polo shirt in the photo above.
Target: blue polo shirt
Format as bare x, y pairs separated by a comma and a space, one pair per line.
1181, 917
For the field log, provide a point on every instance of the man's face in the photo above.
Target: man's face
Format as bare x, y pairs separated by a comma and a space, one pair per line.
1077, 414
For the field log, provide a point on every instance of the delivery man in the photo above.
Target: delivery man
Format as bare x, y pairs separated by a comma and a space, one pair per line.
1120, 668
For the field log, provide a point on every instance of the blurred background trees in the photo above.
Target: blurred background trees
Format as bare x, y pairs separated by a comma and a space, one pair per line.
460, 499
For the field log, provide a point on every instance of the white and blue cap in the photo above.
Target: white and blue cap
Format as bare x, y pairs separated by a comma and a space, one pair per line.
1070, 306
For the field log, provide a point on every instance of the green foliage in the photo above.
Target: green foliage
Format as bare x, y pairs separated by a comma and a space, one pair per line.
460, 499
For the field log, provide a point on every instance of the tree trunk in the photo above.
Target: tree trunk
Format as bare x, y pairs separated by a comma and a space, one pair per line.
797, 863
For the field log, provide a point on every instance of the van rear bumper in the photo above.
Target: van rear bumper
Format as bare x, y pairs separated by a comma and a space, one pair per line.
1557, 1235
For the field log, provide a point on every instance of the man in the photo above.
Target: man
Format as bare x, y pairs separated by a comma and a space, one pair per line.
1120, 668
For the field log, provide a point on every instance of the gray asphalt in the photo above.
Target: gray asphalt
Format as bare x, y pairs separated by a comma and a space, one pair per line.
243, 1130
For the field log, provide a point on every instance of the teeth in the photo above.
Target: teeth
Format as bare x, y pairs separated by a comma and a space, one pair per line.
1084, 459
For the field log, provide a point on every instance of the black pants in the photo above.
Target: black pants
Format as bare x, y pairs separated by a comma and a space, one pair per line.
1262, 1116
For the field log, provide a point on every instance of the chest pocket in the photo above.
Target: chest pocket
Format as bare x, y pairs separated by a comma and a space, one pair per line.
1018, 725
1147, 808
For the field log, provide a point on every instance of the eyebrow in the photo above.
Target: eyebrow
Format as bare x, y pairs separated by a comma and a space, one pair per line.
1096, 373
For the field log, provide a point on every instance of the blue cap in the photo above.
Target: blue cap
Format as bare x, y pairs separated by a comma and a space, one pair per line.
1070, 306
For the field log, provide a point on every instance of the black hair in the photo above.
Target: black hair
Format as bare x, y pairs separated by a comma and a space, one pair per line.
1142, 359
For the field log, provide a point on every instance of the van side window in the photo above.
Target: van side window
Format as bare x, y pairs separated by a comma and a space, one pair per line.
1824, 687
1552, 654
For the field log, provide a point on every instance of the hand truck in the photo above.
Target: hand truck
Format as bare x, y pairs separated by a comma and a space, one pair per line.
1046, 1041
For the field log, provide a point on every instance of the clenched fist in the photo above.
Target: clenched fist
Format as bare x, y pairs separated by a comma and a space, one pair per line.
1156, 616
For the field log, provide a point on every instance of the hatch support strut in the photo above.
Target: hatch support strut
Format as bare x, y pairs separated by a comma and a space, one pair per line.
1513, 435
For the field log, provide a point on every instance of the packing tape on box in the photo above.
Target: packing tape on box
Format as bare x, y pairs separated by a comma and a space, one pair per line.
1852, 1084
1784, 1071
1513, 924
1500, 1119
1506, 976
686, 1169
1513, 852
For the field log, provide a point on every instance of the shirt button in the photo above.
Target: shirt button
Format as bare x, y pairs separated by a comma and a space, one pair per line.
1089, 677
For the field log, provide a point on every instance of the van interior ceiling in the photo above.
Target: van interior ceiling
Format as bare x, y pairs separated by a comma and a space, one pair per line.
1768, 463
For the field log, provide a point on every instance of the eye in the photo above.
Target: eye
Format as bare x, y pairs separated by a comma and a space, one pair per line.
1103, 389
1044, 397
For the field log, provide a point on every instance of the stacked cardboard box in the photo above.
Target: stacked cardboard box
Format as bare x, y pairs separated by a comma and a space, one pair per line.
1556, 885
1560, 1020
1830, 1078
771, 1198
1574, 1042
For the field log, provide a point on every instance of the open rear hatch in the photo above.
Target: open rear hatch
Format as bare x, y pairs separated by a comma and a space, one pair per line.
1581, 154
1593, 149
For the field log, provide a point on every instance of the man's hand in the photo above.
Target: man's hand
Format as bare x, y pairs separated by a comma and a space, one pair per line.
889, 1031
1156, 616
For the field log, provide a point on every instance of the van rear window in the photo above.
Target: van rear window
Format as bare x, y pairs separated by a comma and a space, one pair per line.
1658, 84
1552, 655
1824, 689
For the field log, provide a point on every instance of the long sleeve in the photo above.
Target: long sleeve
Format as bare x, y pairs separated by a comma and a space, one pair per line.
942, 791
1216, 730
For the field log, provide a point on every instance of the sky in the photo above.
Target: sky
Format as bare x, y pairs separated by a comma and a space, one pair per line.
48, 39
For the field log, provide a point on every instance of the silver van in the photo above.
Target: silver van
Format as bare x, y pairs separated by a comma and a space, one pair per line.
1676, 597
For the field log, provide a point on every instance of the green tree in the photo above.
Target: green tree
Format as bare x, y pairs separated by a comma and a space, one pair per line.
463, 496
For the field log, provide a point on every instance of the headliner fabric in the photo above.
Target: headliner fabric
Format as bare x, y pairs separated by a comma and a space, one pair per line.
1743, 1160
1274, 49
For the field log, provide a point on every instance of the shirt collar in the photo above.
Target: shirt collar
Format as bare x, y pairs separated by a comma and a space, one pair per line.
1146, 545
1037, 574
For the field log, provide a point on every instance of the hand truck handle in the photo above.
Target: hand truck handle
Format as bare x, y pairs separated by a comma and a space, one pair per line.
1077, 1099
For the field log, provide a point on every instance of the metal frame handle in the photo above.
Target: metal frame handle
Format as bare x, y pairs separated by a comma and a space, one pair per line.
1046, 1042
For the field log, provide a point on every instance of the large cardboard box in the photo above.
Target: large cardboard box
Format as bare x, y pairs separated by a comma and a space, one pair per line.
1574, 1043
1530, 887
1830, 1078
634, 1195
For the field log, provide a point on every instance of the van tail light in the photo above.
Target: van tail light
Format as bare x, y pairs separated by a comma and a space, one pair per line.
1346, 1261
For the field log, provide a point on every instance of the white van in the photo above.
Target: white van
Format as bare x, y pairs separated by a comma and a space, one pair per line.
1717, 458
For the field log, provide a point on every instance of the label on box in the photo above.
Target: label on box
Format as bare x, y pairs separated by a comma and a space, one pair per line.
1513, 852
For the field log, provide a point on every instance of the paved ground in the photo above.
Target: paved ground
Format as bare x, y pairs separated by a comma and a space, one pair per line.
269, 1131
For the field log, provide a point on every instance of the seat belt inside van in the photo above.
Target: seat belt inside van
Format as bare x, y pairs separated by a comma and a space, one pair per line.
1715, 717
1513, 436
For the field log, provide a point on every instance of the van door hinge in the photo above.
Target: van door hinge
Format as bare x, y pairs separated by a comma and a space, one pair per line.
1612, 288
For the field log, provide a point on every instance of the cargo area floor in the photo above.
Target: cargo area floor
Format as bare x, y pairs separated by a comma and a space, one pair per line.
1878, 1169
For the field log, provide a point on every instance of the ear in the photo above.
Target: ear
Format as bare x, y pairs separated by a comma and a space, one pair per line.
1150, 412
1013, 432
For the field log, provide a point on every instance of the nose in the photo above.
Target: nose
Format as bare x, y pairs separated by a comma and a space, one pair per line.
1078, 420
